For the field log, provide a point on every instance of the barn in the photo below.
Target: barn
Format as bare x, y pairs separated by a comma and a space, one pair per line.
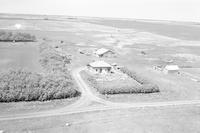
99, 67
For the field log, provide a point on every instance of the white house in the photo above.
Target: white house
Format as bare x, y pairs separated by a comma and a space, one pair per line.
171, 69
99, 67
103, 52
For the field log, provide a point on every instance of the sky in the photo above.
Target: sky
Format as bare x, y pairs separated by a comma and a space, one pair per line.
180, 10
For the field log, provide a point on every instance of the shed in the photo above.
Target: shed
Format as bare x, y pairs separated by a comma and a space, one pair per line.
171, 69
99, 67
103, 52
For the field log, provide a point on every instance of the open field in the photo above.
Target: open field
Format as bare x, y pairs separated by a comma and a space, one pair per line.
193, 71
181, 119
34, 106
192, 74
171, 29
20, 55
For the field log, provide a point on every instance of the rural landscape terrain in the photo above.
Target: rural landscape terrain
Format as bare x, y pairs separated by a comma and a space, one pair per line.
96, 75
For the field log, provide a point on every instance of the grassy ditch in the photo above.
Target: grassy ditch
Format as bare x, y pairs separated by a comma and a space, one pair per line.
118, 87
16, 37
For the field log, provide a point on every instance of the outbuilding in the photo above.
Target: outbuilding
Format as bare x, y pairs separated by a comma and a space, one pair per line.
171, 69
103, 52
99, 67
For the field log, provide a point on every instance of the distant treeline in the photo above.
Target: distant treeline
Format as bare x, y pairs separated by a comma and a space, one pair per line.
16, 37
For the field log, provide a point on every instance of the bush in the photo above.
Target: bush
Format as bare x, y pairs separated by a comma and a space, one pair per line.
21, 85
118, 89
17, 37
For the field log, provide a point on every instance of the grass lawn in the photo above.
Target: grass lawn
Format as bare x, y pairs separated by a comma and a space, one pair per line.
116, 79
35, 106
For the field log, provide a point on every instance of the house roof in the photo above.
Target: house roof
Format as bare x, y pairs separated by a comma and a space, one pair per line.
171, 67
99, 64
101, 51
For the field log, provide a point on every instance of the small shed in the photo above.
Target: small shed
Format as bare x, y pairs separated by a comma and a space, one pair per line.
159, 67
171, 69
103, 52
99, 67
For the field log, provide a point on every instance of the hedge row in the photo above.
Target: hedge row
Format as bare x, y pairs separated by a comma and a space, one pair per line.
17, 37
126, 89
21, 85
101, 88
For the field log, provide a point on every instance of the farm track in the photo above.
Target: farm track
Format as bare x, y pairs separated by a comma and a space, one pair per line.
84, 104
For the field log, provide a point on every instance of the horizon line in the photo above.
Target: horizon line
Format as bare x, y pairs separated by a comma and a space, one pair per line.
85, 16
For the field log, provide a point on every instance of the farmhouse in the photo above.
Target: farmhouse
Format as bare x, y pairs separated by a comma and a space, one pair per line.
103, 52
171, 69
99, 67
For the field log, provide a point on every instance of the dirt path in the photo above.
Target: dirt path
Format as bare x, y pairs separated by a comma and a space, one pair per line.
90, 103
